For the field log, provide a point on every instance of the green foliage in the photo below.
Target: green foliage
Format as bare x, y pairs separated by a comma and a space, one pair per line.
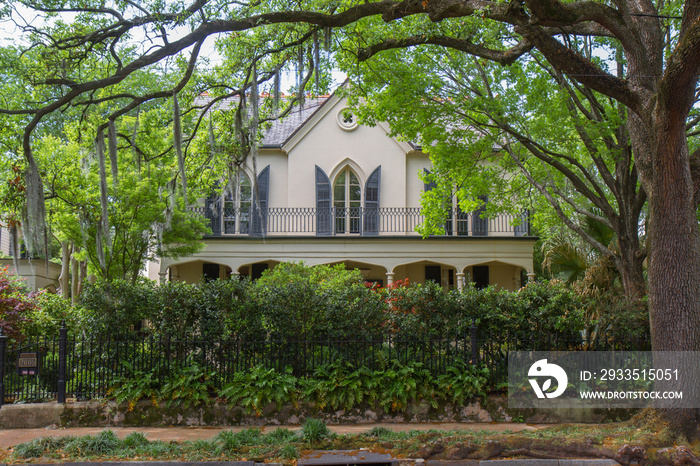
297, 301
400, 384
217, 308
228, 441
190, 385
134, 440
144, 216
117, 306
378, 432
16, 304
289, 452
294, 302
35, 448
101, 444
461, 383
225, 309
611, 311
341, 385
281, 436
256, 389
135, 386
539, 308
49, 311
315, 430
421, 311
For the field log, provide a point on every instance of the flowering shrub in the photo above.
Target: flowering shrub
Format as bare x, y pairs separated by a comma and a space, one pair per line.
15, 303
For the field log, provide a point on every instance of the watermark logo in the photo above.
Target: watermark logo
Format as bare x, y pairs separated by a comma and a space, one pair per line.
542, 369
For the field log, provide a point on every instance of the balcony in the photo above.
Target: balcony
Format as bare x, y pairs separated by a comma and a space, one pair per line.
389, 221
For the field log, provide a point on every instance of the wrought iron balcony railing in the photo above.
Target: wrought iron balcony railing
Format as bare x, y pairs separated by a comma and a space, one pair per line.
283, 221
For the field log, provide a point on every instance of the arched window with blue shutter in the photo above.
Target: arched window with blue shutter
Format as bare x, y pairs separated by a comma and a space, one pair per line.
260, 197
324, 212
371, 220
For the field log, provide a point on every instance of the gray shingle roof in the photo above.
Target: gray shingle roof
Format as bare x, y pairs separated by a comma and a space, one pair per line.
282, 129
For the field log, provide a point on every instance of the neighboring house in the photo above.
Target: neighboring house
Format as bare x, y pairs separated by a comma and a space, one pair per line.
332, 191
33, 271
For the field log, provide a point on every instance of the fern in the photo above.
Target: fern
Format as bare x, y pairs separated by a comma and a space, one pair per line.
256, 389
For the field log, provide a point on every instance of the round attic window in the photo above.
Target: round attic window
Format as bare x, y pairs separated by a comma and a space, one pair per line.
346, 119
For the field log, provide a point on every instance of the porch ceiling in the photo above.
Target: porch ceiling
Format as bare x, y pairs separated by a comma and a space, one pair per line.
388, 252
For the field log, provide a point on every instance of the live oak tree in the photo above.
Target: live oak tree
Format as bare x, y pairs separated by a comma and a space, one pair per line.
524, 136
657, 88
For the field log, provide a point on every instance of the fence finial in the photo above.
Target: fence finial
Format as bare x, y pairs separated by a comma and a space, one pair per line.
63, 323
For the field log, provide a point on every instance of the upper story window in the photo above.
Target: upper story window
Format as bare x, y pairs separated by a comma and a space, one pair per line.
347, 201
242, 210
237, 205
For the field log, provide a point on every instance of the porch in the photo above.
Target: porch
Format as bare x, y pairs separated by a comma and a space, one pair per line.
501, 261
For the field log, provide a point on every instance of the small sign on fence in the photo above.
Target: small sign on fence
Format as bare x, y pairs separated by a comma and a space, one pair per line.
28, 363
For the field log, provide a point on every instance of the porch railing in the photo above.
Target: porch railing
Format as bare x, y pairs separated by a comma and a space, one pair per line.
280, 221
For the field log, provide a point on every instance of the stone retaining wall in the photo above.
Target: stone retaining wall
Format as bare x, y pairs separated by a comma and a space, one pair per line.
144, 413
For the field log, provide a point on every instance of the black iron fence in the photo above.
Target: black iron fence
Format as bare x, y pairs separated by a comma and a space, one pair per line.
250, 221
85, 367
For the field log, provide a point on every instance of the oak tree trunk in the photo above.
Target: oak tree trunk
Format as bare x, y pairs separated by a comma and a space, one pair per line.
674, 260
630, 266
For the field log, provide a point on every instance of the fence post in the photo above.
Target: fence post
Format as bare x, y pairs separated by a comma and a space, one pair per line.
473, 337
62, 337
3, 344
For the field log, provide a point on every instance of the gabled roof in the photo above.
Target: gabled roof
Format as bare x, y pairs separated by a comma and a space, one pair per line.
284, 128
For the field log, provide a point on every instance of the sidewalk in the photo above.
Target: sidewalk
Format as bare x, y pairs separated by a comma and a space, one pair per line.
12, 437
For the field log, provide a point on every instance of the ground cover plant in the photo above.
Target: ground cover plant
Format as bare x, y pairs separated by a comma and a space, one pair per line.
334, 386
643, 440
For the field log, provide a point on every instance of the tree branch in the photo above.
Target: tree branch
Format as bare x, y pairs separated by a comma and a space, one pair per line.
504, 57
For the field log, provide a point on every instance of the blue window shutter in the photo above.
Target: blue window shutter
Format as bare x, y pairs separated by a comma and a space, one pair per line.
260, 197
212, 212
324, 213
480, 225
431, 185
448, 221
524, 227
371, 221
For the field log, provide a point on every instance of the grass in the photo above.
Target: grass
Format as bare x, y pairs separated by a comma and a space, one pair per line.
285, 446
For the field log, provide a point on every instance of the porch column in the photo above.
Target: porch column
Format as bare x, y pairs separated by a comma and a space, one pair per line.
530, 277
460, 281
389, 278
235, 274
162, 277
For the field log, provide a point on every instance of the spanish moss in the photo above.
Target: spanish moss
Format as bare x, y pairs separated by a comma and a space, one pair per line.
327, 35
276, 91
134, 150
100, 147
177, 137
112, 143
300, 77
35, 212
212, 137
317, 62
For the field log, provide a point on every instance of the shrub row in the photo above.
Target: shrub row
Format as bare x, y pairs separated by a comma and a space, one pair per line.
296, 302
